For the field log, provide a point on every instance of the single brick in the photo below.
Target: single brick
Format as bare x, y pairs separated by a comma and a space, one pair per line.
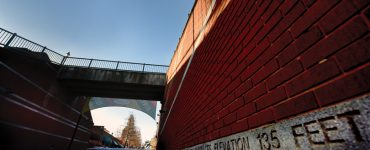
212, 103
228, 99
249, 7
284, 74
301, 44
287, 5
234, 84
236, 104
240, 125
249, 71
294, 14
273, 24
265, 71
273, 6
312, 77
271, 98
289, 19
230, 118
346, 87
219, 124
215, 134
244, 87
225, 131
314, 13
355, 54
246, 110
337, 15
221, 95
244, 31
237, 26
242, 7
233, 58
361, 3
308, 3
253, 28
296, 105
235, 16
249, 41
261, 118
275, 49
257, 51
260, 11
212, 120
225, 82
235, 74
255, 92
223, 113
339, 38
243, 54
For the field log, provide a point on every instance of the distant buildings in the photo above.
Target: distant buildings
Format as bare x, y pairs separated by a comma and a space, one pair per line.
100, 137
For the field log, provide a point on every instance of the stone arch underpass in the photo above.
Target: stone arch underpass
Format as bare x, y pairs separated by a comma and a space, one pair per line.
145, 106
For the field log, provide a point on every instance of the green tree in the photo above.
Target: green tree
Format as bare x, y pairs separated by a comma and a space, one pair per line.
131, 136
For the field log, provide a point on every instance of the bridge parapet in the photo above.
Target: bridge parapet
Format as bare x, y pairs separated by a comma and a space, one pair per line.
113, 65
9, 39
113, 83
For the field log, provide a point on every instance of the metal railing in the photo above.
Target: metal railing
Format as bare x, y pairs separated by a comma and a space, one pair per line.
113, 65
9, 39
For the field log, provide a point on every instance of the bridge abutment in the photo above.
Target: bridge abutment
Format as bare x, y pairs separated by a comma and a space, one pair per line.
37, 112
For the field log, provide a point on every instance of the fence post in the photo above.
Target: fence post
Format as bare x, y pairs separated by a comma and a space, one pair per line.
43, 50
143, 67
10, 40
63, 60
90, 63
117, 65
62, 65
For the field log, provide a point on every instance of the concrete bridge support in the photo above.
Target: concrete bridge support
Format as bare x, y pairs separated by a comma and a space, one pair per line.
113, 83
36, 111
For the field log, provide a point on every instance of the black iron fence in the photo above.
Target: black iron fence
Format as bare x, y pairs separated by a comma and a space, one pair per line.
113, 65
9, 39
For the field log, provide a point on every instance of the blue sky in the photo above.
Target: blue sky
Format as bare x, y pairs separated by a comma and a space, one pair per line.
143, 31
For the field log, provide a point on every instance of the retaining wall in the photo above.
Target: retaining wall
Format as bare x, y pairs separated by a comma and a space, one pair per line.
259, 63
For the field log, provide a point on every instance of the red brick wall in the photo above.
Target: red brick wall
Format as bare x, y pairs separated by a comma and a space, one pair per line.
263, 61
